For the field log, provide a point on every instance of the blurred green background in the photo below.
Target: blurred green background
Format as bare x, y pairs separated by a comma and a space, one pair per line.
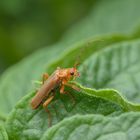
27, 25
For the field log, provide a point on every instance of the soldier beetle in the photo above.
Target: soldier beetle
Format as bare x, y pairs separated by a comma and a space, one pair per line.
58, 79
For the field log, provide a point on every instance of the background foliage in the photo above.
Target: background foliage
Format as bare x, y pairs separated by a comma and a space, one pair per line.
107, 41
28, 25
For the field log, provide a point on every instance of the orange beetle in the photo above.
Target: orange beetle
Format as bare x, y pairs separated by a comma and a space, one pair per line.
59, 78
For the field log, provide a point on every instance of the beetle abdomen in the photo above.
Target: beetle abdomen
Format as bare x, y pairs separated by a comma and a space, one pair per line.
44, 91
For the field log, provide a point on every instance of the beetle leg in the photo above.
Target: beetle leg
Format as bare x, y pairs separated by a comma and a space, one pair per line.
46, 103
65, 92
72, 86
71, 96
62, 89
64, 82
45, 77
49, 118
47, 110
63, 86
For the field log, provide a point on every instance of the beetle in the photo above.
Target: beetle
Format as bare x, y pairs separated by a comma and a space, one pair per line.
58, 79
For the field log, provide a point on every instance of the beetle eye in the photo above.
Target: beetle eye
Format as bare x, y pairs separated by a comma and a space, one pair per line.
71, 73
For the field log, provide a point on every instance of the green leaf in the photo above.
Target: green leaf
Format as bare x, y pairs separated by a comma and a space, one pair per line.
18, 80
34, 66
114, 67
75, 54
30, 124
112, 96
3, 133
123, 20
24, 123
93, 127
107, 17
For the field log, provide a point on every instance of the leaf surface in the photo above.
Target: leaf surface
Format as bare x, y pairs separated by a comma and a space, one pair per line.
96, 127
3, 133
123, 20
25, 123
117, 67
34, 66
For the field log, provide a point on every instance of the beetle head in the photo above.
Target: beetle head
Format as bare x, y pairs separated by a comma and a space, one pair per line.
74, 72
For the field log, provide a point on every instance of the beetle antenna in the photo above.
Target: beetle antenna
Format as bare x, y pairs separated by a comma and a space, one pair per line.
76, 64
83, 49
78, 58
